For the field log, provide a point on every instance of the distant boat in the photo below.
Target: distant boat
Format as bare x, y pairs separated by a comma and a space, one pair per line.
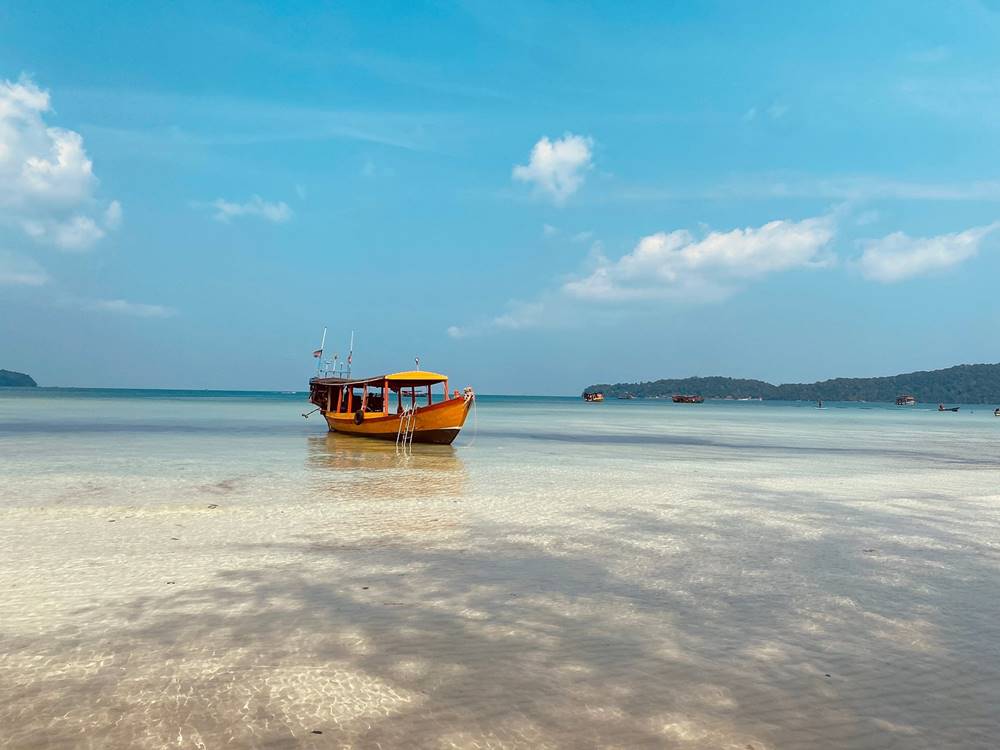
593, 397
680, 398
996, 412
626, 397
905, 400
942, 407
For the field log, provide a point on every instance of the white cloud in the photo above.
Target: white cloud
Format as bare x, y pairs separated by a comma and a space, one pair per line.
113, 215
558, 167
136, 309
670, 266
519, 315
549, 231
47, 182
75, 233
16, 270
677, 265
276, 212
898, 256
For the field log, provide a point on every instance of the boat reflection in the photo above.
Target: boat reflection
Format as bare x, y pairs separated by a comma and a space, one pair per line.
373, 469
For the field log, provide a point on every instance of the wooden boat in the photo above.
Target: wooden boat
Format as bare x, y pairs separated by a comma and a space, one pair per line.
680, 398
905, 400
942, 407
593, 397
399, 406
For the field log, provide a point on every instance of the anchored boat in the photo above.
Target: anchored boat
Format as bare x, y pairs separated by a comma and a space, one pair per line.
400, 406
683, 398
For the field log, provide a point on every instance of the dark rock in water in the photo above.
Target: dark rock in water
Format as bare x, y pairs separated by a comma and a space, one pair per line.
11, 379
317, 731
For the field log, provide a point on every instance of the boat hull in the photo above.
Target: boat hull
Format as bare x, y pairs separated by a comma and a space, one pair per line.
438, 424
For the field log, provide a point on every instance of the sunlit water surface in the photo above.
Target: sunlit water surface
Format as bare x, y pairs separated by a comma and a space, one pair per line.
185, 569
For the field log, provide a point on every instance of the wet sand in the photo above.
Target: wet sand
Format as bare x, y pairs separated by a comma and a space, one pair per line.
716, 582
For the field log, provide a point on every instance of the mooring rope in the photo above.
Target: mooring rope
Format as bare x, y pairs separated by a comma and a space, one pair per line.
475, 423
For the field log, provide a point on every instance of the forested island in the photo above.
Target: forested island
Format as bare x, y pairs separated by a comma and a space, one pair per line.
965, 384
11, 379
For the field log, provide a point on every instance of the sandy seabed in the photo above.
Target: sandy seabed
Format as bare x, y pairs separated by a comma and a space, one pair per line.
689, 585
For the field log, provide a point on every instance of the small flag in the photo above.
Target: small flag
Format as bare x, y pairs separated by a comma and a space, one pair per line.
318, 353
350, 356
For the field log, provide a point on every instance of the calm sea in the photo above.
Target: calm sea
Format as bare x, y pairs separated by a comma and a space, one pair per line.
197, 568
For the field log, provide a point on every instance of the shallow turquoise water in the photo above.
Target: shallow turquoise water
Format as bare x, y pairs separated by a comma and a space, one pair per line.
203, 567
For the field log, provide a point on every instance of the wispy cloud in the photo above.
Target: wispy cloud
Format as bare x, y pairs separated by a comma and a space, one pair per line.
774, 111
777, 110
241, 121
898, 256
370, 170
930, 55
134, 309
16, 270
850, 188
518, 315
276, 212
557, 168
967, 98
47, 181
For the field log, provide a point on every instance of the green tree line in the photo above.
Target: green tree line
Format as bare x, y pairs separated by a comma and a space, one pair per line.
966, 384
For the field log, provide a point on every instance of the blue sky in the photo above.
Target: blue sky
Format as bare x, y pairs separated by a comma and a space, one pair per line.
530, 197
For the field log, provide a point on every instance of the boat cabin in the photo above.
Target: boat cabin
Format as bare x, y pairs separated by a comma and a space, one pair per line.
385, 394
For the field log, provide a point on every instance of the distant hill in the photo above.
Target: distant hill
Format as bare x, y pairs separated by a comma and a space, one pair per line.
11, 379
966, 384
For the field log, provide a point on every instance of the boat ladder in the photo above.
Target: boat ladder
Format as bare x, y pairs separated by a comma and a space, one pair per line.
407, 426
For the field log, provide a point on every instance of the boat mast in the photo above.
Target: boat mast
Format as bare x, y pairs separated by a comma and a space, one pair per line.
322, 346
350, 356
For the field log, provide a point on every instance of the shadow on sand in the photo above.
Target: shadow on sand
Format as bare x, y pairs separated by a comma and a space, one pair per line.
815, 626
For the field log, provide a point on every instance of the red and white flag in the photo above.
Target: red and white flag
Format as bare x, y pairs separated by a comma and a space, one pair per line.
318, 353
